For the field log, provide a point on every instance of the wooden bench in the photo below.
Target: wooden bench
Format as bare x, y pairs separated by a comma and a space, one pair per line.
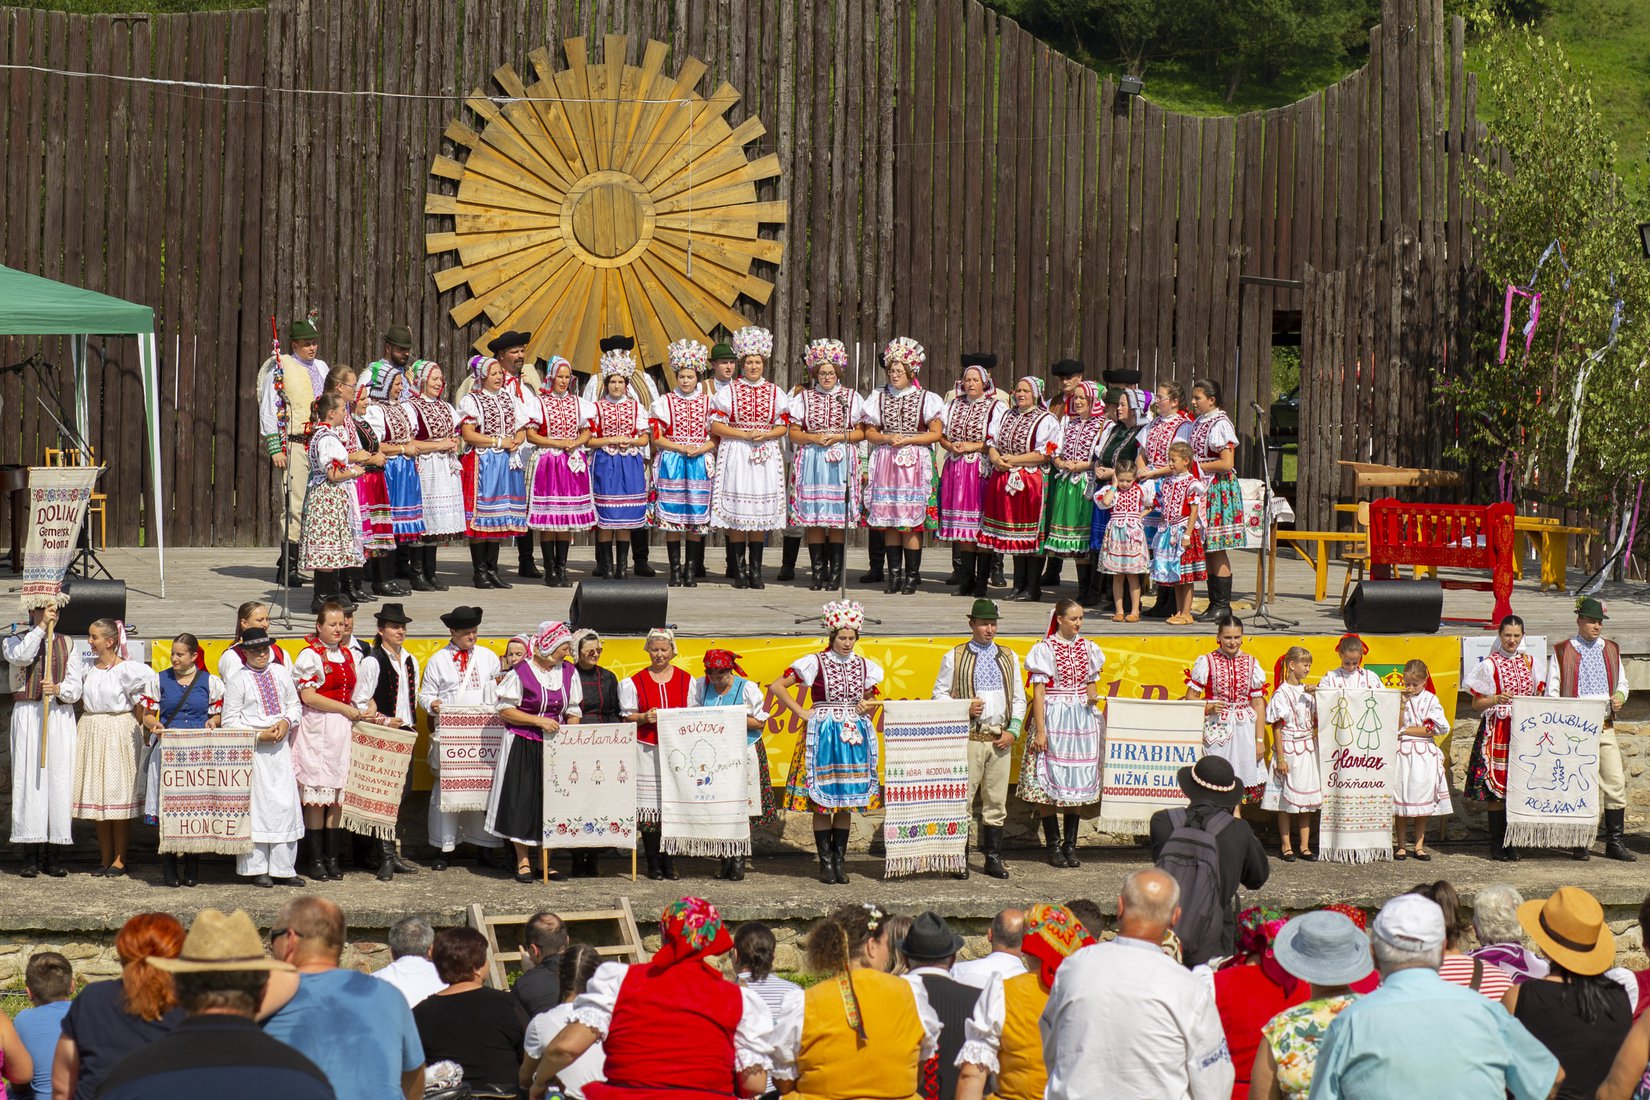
1299, 541
1454, 536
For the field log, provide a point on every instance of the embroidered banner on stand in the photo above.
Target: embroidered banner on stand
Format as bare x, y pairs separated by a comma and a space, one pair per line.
590, 786
58, 496
1357, 750
925, 786
1552, 772
1147, 743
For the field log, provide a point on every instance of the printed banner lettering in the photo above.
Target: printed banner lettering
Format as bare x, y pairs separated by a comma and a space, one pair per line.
378, 760
466, 756
703, 806
925, 789
1357, 751
1147, 743
206, 791
1552, 772
58, 496
590, 786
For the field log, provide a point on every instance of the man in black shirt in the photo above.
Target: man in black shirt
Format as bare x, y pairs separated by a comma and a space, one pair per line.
217, 1050
543, 939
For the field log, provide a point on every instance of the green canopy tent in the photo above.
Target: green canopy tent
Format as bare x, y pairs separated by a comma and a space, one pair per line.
35, 306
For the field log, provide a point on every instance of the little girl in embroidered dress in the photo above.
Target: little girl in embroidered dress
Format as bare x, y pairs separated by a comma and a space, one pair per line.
1177, 554
1420, 786
1123, 551
1295, 788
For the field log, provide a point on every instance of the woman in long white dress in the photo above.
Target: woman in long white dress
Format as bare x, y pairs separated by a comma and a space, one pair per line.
262, 696
440, 476
902, 423
42, 745
749, 418
1061, 770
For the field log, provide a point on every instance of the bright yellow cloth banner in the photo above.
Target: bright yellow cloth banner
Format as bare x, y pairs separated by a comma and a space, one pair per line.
1137, 667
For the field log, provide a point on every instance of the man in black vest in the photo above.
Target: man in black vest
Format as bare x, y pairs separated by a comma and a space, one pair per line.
396, 698
929, 949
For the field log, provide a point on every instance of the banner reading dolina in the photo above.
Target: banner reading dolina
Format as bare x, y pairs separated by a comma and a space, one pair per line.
57, 497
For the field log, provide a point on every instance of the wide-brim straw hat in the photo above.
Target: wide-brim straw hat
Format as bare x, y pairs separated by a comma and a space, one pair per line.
220, 941
1570, 930
1323, 948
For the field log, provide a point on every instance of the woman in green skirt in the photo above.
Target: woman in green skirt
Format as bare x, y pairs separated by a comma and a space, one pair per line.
1069, 513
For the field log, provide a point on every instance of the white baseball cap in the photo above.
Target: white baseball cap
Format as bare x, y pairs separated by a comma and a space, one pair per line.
1410, 922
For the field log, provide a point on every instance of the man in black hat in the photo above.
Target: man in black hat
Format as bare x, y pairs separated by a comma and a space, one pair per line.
396, 698
1069, 374
929, 949
1179, 835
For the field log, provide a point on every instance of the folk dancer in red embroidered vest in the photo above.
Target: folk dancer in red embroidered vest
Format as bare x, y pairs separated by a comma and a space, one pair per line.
684, 464
834, 768
287, 388
1214, 450
825, 476
494, 426
1231, 683
1169, 425
1068, 521
1020, 446
372, 503
262, 696
966, 426
42, 744
460, 674
392, 420
331, 544
1069, 376
618, 467
440, 476
535, 699
660, 686
1060, 773
1589, 666
336, 687
559, 504
902, 421
749, 418
1494, 682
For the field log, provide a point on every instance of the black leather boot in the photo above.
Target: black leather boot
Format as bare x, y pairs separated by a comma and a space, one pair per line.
1068, 843
673, 553
736, 556
1615, 837
332, 841
315, 854
873, 546
478, 571
667, 865
997, 578
381, 584
839, 854
1050, 574
413, 558
699, 563
1051, 841
753, 564
913, 571
1220, 599
48, 862
562, 546
1033, 590
191, 870
639, 551
992, 846
695, 567
491, 546
965, 572
893, 580
816, 568
733, 550
961, 573
428, 551
835, 556
735, 868
604, 560
983, 564
788, 551
547, 551
650, 852
824, 845
1497, 821
621, 560
169, 870
31, 861
1019, 591
386, 860
357, 586
287, 564
525, 566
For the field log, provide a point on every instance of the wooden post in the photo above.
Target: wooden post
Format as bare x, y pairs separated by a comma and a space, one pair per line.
633, 863
544, 865
45, 703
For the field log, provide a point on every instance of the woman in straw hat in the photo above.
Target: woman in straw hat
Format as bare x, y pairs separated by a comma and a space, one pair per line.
1329, 952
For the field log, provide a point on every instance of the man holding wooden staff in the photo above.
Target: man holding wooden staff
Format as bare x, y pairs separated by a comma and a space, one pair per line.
1588, 666
42, 744
287, 388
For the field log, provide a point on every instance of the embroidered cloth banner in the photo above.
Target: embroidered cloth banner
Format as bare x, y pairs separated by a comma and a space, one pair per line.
590, 786
1552, 772
925, 785
206, 791
378, 760
704, 806
58, 496
1147, 743
1357, 750
467, 744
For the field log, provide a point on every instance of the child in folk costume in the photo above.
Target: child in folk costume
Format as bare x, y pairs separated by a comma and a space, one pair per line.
1069, 515
684, 464
618, 465
749, 418
724, 685
1169, 425
1420, 784
1024, 438
966, 428
535, 699
1294, 790
335, 685
43, 739
262, 696
1351, 672
189, 699
372, 499
1231, 682
112, 690
460, 674
440, 476
1117, 447
1123, 551
493, 424
902, 424
1495, 682
250, 614
834, 768
559, 505
1177, 550
1214, 447
1061, 768
331, 542
392, 420
825, 476
659, 686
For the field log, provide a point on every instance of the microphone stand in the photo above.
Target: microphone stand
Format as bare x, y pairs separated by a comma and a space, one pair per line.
1268, 527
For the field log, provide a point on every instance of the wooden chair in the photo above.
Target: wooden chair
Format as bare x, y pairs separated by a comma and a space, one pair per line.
1356, 554
99, 506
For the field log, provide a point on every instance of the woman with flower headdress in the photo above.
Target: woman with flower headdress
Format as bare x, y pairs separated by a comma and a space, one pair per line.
1069, 515
1060, 773
391, 419
372, 500
618, 465
1020, 447
535, 699
749, 418
1002, 1037
966, 427
1251, 987
659, 686
834, 768
672, 1028
825, 487
559, 505
440, 477
902, 422
493, 425
685, 464
860, 1031
724, 685
330, 546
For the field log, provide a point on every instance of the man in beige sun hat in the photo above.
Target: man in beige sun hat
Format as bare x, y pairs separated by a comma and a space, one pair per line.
218, 1050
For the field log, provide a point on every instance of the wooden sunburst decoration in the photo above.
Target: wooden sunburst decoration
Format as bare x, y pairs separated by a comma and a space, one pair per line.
605, 198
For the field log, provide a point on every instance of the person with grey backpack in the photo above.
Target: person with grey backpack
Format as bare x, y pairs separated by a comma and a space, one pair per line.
1210, 853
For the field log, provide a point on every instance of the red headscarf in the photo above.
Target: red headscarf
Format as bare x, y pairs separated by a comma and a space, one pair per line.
1053, 933
690, 930
722, 660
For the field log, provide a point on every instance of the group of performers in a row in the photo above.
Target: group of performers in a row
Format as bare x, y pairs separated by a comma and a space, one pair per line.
93, 768
1128, 486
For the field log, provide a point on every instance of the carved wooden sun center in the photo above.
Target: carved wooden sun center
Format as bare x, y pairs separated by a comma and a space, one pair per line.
610, 216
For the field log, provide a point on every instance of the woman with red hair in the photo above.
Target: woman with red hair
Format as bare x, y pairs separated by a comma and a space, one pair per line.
111, 1019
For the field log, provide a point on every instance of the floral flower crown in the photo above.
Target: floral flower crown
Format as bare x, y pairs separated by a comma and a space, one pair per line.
904, 350
843, 614
618, 362
688, 352
821, 352
752, 340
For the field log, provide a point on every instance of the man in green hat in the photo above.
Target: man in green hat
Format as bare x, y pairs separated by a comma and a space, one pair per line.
1588, 666
988, 675
287, 387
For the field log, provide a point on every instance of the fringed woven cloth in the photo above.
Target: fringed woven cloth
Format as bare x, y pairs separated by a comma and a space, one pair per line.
1148, 741
704, 808
1552, 772
378, 761
206, 791
925, 786
1358, 753
467, 741
590, 786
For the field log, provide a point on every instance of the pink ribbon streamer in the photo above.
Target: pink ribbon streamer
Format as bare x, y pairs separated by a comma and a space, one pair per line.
1506, 318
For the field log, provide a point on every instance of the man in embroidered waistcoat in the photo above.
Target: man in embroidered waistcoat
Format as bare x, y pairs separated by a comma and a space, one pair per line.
287, 387
1588, 666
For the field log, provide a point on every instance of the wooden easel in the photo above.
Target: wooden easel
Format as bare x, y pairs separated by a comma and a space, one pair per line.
628, 949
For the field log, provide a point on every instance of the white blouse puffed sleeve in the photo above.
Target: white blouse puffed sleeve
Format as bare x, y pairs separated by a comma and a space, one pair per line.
214, 696
1481, 680
933, 408
375, 417
1222, 435
328, 449
574, 707
1047, 437
1040, 663
873, 675
721, 403
469, 411
931, 1025
308, 673
140, 685
753, 1038
659, 411
785, 1041
509, 691
754, 701
983, 1030
629, 701
1097, 663
1199, 680
594, 1007
1257, 680
805, 668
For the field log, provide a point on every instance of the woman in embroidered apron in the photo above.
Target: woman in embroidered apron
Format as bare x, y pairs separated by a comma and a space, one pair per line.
494, 427
748, 418
660, 686
331, 543
559, 506
902, 424
1118, 446
262, 697
440, 477
190, 699
825, 433
967, 425
1069, 516
618, 465
684, 464
834, 768
724, 685
1214, 450
1494, 682
336, 687
1061, 767
535, 699
372, 501
1169, 425
392, 421
1021, 444
1230, 682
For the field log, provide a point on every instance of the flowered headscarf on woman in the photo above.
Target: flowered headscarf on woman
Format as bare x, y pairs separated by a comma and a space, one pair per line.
690, 930
1053, 933
1036, 389
1257, 927
551, 636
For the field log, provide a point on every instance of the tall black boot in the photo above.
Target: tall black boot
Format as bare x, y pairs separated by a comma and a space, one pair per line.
326, 587
547, 551
1028, 579
428, 552
1220, 599
650, 851
411, 557
386, 860
695, 567
356, 585
639, 551
913, 571
31, 861
699, 563
673, 553
873, 546
604, 560
997, 578
825, 845
314, 854
492, 546
839, 853
992, 847
525, 566
562, 546
836, 558
736, 555
983, 564
621, 559
1615, 837
1068, 843
667, 865
168, 870
192, 870
1085, 585
816, 570
960, 572
895, 557
332, 842
286, 565
1163, 606
48, 862
1051, 841
787, 558
380, 570
478, 570
1497, 823
1019, 590
734, 551
1050, 574
966, 571
753, 563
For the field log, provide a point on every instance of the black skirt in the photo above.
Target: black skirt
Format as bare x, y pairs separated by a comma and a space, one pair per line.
519, 813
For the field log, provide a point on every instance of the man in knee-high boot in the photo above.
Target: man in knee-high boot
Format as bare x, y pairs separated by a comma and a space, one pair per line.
1588, 665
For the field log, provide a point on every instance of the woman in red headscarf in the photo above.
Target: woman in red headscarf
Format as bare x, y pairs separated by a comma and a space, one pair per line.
1003, 1035
1251, 988
672, 1027
724, 685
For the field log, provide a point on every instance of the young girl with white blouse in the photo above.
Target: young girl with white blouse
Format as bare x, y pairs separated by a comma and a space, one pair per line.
1294, 791
1420, 784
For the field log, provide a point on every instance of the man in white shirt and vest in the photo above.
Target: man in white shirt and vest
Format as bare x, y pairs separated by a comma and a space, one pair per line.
1588, 666
989, 675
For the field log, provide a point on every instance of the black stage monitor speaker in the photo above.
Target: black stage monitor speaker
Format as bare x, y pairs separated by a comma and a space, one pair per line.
89, 601
619, 607
1395, 607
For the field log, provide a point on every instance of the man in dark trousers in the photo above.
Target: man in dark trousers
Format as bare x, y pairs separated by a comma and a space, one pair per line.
1214, 793
929, 949
396, 697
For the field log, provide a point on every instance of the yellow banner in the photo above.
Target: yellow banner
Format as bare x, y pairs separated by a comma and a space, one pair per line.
1137, 667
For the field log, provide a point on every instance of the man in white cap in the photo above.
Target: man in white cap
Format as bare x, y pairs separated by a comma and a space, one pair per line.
1418, 1035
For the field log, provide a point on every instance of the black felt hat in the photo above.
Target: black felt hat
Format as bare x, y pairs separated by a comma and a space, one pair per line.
256, 637
506, 340
392, 613
930, 938
462, 617
1065, 368
986, 359
617, 343
1120, 377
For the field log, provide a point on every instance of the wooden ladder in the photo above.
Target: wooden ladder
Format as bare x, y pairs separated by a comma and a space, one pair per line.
629, 949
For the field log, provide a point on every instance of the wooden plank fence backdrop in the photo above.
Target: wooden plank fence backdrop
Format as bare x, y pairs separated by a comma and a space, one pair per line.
947, 177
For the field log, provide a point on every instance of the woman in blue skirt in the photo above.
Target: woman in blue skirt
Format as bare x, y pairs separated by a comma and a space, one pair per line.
825, 430
618, 467
684, 462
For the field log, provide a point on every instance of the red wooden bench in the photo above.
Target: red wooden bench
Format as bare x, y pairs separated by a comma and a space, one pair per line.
1459, 536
